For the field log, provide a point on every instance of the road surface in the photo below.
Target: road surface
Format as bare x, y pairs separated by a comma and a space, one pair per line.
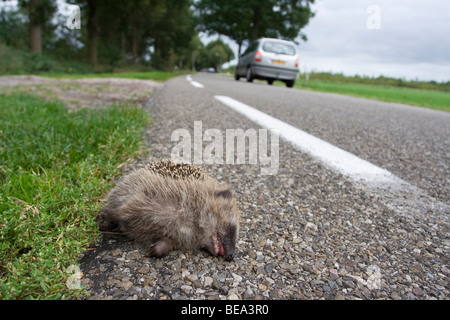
357, 209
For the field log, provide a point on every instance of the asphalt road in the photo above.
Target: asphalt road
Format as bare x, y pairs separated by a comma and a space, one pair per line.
410, 142
309, 231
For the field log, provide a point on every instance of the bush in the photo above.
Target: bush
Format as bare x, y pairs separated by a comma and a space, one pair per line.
14, 61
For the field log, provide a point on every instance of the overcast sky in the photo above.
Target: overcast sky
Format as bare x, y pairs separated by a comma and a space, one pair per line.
412, 41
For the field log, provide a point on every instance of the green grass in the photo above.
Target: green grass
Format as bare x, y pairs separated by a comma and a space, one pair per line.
55, 166
152, 75
418, 97
379, 81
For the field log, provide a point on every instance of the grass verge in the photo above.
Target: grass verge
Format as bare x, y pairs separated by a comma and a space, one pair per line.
160, 76
54, 168
424, 98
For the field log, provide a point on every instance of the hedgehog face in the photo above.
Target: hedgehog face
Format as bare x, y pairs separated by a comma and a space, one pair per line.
222, 223
228, 240
223, 243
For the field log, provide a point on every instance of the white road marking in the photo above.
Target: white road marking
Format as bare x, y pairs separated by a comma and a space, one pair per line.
197, 84
333, 157
342, 161
194, 83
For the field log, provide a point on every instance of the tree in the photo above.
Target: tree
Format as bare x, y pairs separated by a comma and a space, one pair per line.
13, 30
171, 33
133, 30
218, 54
93, 30
190, 56
197, 56
253, 19
230, 18
91, 8
40, 13
134, 27
112, 33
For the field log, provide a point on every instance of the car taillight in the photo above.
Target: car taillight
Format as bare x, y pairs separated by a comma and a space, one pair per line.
296, 62
258, 56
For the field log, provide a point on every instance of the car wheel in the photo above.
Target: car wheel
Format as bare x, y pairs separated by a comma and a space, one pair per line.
249, 75
236, 76
270, 81
290, 83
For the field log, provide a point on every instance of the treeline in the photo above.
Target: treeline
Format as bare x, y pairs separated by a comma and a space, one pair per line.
162, 34
156, 33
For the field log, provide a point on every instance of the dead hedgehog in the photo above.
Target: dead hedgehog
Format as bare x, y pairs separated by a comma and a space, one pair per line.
170, 206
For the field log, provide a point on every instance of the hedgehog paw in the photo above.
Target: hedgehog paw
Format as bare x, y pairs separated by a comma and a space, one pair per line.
160, 248
104, 221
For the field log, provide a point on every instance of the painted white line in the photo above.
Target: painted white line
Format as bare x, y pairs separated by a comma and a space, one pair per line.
194, 83
342, 161
333, 157
197, 84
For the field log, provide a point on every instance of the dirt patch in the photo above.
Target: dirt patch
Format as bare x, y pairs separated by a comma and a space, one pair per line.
83, 93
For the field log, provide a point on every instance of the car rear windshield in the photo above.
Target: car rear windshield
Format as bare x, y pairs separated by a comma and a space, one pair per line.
279, 47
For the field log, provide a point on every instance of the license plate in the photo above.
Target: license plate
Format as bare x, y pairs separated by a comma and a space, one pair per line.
279, 62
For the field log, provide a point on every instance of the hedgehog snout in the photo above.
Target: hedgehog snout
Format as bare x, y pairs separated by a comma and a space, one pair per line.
229, 243
229, 256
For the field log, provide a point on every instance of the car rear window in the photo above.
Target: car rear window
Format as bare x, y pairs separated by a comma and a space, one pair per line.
279, 47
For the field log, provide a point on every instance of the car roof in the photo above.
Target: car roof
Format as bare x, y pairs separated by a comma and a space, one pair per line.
275, 39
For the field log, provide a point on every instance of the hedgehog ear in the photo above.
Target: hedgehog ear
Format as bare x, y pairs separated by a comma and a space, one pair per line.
226, 194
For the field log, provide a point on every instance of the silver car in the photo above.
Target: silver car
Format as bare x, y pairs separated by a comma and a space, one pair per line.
269, 59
